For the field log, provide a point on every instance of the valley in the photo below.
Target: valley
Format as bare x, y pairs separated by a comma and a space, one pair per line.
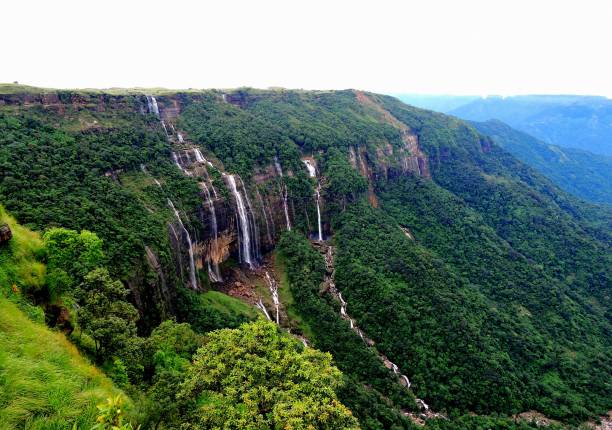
433, 278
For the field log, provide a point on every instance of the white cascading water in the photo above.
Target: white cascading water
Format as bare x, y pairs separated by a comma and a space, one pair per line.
329, 263
198, 155
254, 228
213, 269
273, 286
244, 230
318, 195
279, 170
192, 269
152, 105
179, 165
261, 306
312, 172
180, 137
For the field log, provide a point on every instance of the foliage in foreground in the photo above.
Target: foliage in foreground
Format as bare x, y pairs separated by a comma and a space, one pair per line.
254, 377
45, 383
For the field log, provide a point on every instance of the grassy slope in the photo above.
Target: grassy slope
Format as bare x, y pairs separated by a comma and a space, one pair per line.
44, 382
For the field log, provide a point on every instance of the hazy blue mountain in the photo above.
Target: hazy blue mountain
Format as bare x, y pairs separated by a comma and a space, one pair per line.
579, 172
583, 122
439, 103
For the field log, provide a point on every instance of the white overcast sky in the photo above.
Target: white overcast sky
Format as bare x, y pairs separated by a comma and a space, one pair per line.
428, 46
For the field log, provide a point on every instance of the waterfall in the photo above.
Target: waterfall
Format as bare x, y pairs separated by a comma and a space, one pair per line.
180, 137
331, 287
164, 126
265, 215
254, 228
273, 286
261, 306
213, 270
144, 170
192, 269
244, 232
318, 199
152, 105
198, 155
279, 170
179, 165
312, 172
286, 208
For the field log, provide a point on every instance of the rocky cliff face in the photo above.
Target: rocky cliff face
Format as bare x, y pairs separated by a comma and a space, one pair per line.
241, 223
263, 197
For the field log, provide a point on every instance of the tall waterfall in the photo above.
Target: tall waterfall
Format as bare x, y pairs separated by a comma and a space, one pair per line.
152, 105
312, 172
254, 228
279, 170
318, 199
244, 230
213, 269
192, 268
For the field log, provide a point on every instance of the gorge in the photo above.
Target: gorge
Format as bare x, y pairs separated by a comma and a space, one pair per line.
439, 272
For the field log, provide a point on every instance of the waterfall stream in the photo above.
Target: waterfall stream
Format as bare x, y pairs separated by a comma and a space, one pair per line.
213, 269
329, 280
312, 172
152, 105
261, 306
192, 268
279, 170
244, 231
273, 286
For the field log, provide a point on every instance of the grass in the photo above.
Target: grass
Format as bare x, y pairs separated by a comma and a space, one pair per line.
286, 298
227, 304
18, 258
44, 382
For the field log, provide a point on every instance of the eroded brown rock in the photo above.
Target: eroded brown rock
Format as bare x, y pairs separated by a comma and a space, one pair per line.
5, 233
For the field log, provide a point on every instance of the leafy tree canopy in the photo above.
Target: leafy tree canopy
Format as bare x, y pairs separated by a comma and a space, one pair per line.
254, 377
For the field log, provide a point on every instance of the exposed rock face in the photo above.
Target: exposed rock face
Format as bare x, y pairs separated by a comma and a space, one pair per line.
410, 156
5, 233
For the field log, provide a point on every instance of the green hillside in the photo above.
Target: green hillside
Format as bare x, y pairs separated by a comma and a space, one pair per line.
484, 283
45, 383
578, 172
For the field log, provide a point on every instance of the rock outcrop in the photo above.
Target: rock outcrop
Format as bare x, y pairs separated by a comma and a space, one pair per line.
5, 233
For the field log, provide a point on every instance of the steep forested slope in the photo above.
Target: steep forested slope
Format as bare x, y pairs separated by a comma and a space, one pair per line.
581, 173
486, 284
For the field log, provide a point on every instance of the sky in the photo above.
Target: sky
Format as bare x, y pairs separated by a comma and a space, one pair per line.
457, 47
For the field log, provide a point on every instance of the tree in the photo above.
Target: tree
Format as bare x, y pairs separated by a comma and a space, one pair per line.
70, 256
255, 377
105, 314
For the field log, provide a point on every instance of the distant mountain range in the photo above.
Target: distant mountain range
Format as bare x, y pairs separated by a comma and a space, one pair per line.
576, 171
566, 138
583, 122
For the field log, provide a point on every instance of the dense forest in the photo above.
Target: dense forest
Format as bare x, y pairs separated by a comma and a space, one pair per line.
156, 234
